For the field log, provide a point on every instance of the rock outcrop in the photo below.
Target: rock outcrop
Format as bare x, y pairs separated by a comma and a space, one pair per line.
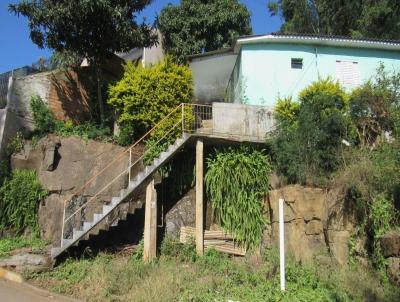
63, 166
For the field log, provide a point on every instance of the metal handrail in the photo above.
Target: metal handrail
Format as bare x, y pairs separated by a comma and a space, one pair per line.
118, 157
130, 165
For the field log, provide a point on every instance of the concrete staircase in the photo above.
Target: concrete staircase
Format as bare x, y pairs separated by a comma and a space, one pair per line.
87, 227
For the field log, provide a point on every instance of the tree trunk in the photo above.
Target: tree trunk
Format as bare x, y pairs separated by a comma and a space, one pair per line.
99, 94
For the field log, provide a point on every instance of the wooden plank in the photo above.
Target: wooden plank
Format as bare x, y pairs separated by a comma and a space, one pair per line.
228, 250
190, 231
199, 198
150, 224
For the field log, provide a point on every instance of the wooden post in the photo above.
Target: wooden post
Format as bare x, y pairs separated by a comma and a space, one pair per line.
199, 199
150, 224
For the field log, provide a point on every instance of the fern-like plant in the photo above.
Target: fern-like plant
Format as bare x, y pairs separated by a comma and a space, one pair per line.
19, 201
236, 183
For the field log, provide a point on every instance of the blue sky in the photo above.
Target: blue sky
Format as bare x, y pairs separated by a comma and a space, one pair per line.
16, 48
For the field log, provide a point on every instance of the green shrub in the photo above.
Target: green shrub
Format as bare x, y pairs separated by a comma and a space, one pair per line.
286, 110
145, 95
20, 196
184, 252
308, 137
16, 144
236, 182
126, 135
85, 131
375, 107
43, 117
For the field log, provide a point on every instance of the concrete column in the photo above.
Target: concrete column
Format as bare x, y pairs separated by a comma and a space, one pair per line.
150, 224
199, 198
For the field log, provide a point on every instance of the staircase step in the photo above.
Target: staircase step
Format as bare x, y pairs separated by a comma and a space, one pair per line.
107, 209
115, 200
87, 225
66, 242
93, 228
97, 217
123, 193
77, 234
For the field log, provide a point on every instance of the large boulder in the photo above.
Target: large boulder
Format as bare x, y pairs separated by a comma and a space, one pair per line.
181, 214
390, 244
305, 215
64, 166
316, 223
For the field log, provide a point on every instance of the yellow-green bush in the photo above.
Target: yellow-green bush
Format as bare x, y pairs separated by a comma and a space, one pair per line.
328, 87
145, 95
286, 110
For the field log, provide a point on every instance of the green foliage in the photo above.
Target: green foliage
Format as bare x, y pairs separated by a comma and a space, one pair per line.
126, 135
286, 110
87, 29
7, 245
42, 116
20, 196
374, 19
236, 182
145, 95
45, 122
213, 277
16, 144
194, 26
85, 131
375, 107
308, 136
183, 252
382, 217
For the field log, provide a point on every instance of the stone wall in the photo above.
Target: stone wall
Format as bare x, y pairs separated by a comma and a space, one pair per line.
66, 93
63, 166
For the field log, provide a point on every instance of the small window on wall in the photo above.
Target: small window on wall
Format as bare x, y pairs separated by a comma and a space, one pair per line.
348, 73
297, 63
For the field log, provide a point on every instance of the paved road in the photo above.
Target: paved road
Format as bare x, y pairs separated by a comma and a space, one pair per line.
20, 292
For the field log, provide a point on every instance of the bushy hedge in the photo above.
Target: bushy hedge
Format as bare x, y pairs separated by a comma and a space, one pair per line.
309, 132
145, 95
349, 141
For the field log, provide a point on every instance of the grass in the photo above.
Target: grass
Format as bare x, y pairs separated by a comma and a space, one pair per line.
8, 245
213, 277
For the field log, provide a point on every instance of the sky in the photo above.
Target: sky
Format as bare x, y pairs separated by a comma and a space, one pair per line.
17, 50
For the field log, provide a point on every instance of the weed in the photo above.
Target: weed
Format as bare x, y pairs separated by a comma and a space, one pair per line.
7, 245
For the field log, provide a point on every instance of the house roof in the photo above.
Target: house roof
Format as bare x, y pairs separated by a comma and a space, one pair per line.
322, 40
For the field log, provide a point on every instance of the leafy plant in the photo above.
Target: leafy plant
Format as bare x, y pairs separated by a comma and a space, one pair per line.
236, 182
20, 196
184, 252
145, 95
382, 216
42, 116
194, 26
87, 29
309, 135
375, 107
16, 144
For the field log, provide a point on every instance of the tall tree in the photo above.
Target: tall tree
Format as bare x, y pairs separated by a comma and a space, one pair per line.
357, 18
194, 26
89, 28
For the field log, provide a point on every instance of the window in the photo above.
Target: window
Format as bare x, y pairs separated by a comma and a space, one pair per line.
348, 73
297, 63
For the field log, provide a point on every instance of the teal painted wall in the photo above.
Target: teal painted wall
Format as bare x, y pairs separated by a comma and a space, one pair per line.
265, 71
